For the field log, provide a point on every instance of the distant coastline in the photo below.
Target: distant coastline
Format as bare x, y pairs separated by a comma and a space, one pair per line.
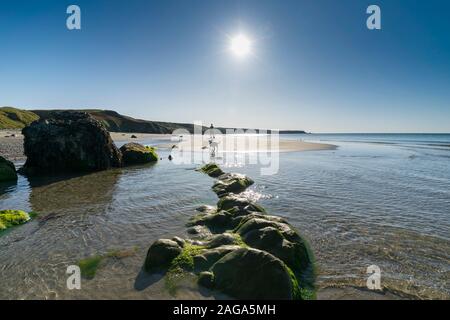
14, 118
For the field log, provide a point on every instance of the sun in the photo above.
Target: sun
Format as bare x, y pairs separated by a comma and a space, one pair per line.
241, 45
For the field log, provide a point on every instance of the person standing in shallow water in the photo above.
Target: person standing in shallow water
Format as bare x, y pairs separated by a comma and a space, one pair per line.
212, 143
211, 127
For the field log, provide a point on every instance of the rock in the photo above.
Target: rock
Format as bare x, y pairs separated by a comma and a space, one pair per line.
10, 218
7, 170
223, 220
206, 209
208, 257
238, 205
279, 239
252, 274
222, 240
160, 255
179, 241
68, 142
199, 231
206, 279
211, 169
135, 153
133, 136
216, 222
231, 183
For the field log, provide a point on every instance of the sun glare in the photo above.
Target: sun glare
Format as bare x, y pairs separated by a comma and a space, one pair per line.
240, 45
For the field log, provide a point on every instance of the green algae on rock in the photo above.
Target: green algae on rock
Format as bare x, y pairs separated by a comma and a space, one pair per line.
10, 218
231, 183
7, 170
249, 273
161, 254
135, 153
237, 249
89, 266
212, 170
237, 204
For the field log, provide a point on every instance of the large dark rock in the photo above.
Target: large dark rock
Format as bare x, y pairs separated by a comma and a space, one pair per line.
160, 254
68, 142
7, 170
135, 153
252, 274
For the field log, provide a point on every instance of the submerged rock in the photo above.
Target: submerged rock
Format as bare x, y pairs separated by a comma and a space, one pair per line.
231, 183
135, 153
160, 255
7, 170
10, 218
68, 142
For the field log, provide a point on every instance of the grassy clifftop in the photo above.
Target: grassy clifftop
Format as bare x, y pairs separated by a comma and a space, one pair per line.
12, 118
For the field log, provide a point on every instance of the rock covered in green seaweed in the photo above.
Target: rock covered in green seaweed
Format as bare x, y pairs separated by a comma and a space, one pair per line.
212, 170
7, 170
161, 254
279, 239
231, 183
135, 153
238, 205
10, 218
249, 273
238, 249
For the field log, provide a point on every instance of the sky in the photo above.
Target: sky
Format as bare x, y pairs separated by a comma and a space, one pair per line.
314, 65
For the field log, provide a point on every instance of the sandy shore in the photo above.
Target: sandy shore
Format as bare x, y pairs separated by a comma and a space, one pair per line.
11, 143
233, 143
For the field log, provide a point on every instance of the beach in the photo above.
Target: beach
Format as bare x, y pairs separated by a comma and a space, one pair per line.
11, 143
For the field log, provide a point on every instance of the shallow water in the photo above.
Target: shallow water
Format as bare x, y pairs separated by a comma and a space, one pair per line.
382, 200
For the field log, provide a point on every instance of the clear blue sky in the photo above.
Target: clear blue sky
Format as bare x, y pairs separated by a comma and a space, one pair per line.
315, 65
